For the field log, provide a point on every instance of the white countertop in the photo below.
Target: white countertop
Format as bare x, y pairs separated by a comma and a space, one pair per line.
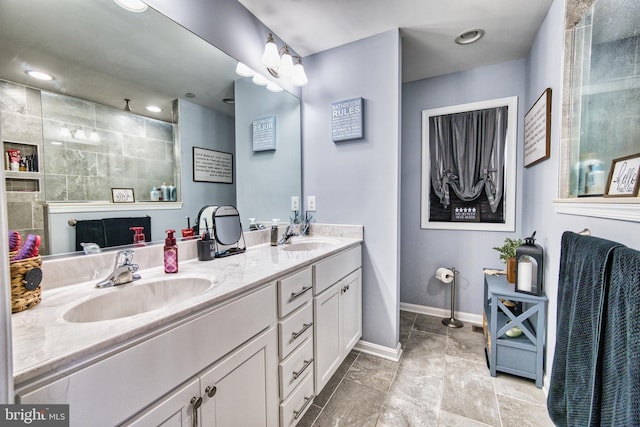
44, 342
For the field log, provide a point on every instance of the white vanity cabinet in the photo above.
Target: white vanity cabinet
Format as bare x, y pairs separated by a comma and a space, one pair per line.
337, 302
295, 338
148, 374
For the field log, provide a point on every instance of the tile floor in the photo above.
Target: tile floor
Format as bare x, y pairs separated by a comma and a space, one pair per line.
441, 380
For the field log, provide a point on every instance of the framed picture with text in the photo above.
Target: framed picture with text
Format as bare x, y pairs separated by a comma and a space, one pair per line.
122, 195
623, 177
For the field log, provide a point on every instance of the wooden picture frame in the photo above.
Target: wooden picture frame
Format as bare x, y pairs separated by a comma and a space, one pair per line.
624, 177
122, 195
537, 130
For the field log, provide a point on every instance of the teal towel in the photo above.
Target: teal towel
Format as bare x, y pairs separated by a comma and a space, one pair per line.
584, 268
617, 396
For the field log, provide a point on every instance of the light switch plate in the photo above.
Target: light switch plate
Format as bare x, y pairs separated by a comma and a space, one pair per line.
311, 203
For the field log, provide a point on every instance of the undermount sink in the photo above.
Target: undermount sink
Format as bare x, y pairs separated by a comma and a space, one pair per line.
136, 298
308, 244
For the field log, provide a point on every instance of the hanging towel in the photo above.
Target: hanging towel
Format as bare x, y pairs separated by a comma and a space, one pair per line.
117, 230
110, 232
618, 376
582, 281
89, 231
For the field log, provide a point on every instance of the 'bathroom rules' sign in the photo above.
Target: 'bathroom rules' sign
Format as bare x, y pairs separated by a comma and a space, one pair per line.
264, 133
347, 120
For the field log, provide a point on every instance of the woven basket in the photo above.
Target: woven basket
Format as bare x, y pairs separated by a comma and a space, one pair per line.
21, 297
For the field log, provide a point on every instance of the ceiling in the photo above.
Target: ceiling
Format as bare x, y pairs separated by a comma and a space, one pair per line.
81, 43
427, 27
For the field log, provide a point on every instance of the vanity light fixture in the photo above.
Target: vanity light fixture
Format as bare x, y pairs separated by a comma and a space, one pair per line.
243, 70
279, 63
65, 132
153, 108
273, 87
93, 136
136, 6
79, 134
469, 36
260, 80
40, 75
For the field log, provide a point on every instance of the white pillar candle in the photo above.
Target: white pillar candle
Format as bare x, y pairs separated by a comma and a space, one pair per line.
525, 271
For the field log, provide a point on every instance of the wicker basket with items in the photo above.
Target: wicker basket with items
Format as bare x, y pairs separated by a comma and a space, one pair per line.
26, 274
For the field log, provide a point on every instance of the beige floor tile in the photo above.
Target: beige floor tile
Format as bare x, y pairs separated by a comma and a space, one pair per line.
372, 371
447, 419
518, 388
518, 413
424, 353
466, 344
352, 405
430, 324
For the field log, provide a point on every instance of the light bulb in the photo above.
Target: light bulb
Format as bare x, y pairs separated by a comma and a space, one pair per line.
286, 64
271, 57
299, 77
243, 70
260, 80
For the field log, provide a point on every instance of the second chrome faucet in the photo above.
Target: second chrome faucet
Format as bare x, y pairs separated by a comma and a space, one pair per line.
123, 270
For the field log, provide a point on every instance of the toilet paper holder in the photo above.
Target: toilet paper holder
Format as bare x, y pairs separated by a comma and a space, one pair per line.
448, 275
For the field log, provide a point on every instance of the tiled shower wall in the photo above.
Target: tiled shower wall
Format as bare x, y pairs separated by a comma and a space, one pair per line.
133, 152
21, 122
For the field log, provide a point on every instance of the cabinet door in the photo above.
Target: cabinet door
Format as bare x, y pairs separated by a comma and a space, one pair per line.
242, 389
326, 335
173, 410
350, 311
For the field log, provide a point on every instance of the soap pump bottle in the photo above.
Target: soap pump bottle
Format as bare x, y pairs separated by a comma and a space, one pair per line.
138, 236
170, 253
274, 232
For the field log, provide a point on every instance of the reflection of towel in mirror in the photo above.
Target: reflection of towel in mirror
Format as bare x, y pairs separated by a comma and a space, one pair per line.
110, 232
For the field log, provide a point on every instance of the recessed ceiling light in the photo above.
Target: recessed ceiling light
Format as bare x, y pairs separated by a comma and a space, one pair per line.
153, 108
190, 95
228, 100
132, 5
470, 36
40, 75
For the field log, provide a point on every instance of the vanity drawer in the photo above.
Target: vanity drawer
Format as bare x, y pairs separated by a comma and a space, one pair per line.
294, 291
295, 329
294, 368
294, 407
329, 271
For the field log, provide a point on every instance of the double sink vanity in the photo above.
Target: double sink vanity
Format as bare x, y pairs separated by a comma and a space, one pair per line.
246, 340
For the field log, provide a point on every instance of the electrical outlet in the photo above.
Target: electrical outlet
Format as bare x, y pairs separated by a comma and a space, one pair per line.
295, 203
311, 203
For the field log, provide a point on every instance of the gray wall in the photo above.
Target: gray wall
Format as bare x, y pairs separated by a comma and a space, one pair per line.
266, 180
423, 251
358, 182
544, 69
201, 127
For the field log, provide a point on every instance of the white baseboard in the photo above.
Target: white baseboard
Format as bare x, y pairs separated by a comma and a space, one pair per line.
475, 319
379, 350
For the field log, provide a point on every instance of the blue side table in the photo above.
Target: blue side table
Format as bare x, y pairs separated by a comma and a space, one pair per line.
522, 355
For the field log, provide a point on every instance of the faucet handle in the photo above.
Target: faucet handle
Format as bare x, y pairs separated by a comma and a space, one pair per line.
124, 257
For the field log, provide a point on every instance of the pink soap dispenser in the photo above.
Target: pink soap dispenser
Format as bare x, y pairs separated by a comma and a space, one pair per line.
170, 253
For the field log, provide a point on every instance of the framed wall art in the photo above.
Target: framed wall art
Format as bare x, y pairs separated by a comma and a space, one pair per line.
623, 177
537, 130
122, 195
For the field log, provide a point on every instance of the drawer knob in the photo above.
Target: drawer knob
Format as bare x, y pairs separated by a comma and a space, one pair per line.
211, 390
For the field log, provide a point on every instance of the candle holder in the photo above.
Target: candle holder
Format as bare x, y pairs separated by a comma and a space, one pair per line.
529, 267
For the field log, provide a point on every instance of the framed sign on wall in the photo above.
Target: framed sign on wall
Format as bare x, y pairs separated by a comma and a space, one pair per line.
264, 133
347, 120
212, 166
537, 130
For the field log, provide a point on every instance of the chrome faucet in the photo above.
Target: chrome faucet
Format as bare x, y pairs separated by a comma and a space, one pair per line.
123, 270
306, 224
288, 234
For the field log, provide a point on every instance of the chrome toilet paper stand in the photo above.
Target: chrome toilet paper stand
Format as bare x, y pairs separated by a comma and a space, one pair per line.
452, 322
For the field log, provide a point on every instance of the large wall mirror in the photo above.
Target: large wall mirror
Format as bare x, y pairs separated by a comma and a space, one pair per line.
101, 54
601, 106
